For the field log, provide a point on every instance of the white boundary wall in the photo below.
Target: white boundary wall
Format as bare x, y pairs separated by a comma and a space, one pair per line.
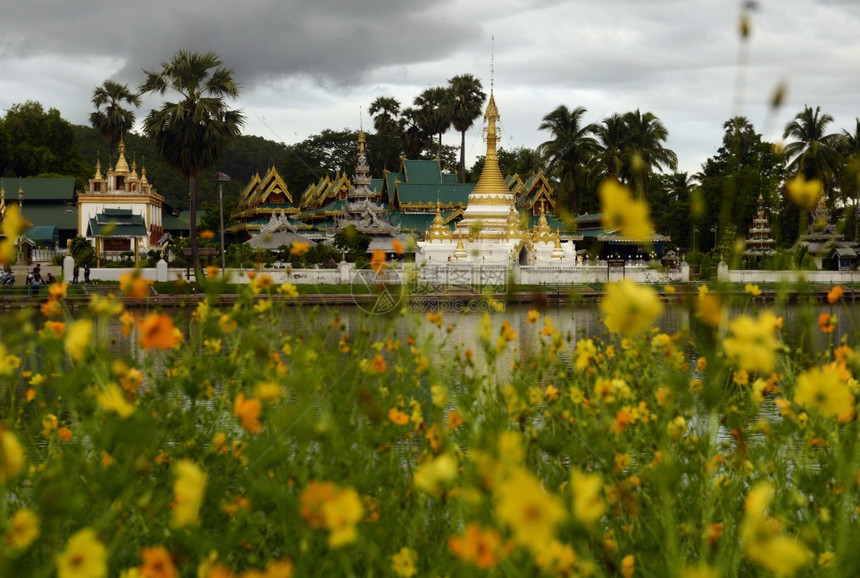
444, 275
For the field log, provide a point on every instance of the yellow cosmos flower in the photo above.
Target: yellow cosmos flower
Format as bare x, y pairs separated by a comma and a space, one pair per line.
403, 563
113, 399
13, 225
753, 343
629, 308
528, 509
824, 390
622, 213
11, 455
804, 193
84, 557
751, 289
23, 529
188, 490
588, 504
433, 475
341, 514
78, 337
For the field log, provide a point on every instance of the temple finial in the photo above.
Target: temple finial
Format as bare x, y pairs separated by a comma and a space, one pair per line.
492, 63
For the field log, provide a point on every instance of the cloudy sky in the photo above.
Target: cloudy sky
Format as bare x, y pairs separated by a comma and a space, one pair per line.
308, 65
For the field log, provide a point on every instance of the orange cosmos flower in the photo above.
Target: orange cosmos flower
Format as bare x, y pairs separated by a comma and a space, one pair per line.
299, 248
479, 547
157, 563
378, 365
398, 416
51, 308
65, 434
454, 419
55, 328
248, 412
827, 322
397, 246
58, 290
134, 286
206, 235
158, 332
834, 294
377, 261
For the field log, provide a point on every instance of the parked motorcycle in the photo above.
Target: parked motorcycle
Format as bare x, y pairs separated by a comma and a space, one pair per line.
7, 277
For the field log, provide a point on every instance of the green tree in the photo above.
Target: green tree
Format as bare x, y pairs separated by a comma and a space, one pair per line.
466, 101
569, 151
644, 150
849, 148
434, 112
814, 154
40, 142
192, 133
611, 135
414, 136
384, 151
111, 118
353, 243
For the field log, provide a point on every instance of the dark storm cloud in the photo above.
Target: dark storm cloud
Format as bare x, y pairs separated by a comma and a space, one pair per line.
329, 40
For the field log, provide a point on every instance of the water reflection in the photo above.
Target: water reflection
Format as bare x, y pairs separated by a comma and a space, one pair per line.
461, 329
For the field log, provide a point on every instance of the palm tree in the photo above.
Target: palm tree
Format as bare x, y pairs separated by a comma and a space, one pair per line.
849, 147
814, 153
389, 125
569, 151
414, 137
434, 112
385, 110
192, 133
611, 136
467, 101
645, 150
111, 118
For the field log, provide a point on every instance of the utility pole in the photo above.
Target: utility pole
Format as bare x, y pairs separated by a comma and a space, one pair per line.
221, 178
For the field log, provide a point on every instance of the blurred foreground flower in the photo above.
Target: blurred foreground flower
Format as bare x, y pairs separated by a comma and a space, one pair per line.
188, 492
803, 193
629, 308
753, 343
84, 557
158, 332
23, 529
621, 212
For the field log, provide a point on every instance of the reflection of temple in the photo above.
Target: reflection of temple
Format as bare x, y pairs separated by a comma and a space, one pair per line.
490, 230
121, 211
760, 241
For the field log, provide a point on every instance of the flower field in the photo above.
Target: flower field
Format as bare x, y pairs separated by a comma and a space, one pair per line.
233, 447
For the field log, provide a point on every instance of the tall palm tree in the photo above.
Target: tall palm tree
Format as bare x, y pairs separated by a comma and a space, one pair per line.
385, 110
414, 136
611, 136
645, 150
849, 147
389, 126
814, 153
568, 152
111, 118
192, 133
434, 112
467, 101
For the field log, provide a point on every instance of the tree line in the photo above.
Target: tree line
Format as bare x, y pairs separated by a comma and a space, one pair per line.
703, 210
